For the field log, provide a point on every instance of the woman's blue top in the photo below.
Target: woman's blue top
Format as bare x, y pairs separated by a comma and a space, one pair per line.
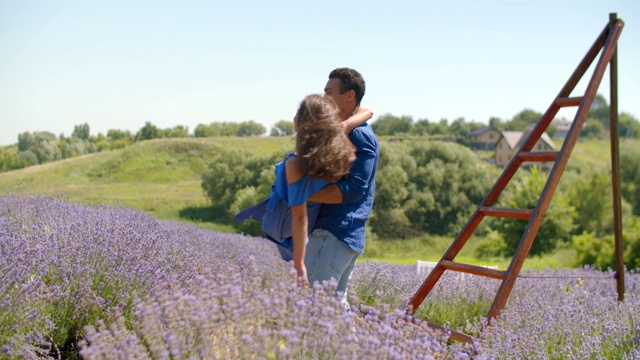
275, 210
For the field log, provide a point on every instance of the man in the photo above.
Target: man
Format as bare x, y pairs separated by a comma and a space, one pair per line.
339, 234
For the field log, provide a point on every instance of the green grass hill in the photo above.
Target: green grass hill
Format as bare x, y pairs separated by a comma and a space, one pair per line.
160, 176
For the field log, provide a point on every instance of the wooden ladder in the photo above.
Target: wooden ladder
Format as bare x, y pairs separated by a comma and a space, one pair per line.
606, 42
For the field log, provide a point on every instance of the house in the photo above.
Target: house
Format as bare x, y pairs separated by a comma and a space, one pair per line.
484, 138
562, 127
510, 142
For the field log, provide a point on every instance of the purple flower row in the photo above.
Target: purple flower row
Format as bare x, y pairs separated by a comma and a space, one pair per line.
110, 282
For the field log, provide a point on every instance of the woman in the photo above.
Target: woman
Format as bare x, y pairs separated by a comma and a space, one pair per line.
323, 155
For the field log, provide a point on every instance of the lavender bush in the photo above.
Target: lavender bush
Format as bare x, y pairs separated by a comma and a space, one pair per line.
110, 282
67, 265
551, 314
569, 314
222, 316
89, 275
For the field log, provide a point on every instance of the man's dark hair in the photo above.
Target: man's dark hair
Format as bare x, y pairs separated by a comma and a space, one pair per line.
350, 80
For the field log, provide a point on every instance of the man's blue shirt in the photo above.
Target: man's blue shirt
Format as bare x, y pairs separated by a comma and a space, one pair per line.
346, 221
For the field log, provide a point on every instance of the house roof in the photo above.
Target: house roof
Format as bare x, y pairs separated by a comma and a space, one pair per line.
563, 127
545, 138
560, 121
516, 138
512, 137
481, 130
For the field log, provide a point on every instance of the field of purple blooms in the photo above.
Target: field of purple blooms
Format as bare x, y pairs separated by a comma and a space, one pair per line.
105, 282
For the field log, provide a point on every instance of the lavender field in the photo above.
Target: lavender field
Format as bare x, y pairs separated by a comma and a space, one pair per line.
109, 282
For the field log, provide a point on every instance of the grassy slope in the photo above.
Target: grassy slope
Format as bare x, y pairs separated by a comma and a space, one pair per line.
163, 177
159, 176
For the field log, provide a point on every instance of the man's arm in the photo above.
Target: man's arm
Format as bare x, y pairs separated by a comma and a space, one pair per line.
361, 116
329, 194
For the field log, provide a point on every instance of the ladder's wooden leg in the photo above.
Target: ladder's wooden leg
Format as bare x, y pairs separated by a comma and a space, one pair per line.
425, 289
450, 254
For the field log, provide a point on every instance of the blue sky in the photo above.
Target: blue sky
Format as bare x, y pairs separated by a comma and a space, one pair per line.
118, 64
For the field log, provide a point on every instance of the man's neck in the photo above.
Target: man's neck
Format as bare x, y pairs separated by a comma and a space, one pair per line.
347, 113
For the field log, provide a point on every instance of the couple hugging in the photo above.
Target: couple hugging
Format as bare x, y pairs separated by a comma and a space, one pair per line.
323, 193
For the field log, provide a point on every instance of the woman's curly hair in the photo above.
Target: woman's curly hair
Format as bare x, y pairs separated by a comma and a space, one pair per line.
324, 150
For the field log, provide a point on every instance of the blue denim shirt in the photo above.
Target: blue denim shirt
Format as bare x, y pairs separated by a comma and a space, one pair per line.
346, 221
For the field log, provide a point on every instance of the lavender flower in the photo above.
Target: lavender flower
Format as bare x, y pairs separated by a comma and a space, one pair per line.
109, 282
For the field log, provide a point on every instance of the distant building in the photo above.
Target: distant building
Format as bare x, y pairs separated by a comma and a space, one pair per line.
562, 127
484, 138
510, 142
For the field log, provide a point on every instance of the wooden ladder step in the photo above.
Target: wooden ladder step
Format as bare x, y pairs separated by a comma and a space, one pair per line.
455, 335
473, 269
521, 214
568, 101
540, 156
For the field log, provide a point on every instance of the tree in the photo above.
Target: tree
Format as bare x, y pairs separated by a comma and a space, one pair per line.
599, 102
441, 128
75, 147
6, 160
231, 171
461, 129
282, 128
119, 139
148, 132
590, 195
522, 119
81, 132
388, 218
390, 125
628, 125
421, 127
593, 129
178, 131
115, 134
491, 245
203, 130
244, 198
631, 237
226, 128
41, 144
422, 211
27, 140
599, 110
251, 128
392, 224
441, 188
391, 188
26, 158
557, 225
591, 250
630, 176
496, 123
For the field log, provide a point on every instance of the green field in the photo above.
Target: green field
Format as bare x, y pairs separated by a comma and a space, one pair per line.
163, 177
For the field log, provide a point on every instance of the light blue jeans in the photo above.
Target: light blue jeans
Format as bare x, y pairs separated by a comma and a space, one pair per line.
327, 257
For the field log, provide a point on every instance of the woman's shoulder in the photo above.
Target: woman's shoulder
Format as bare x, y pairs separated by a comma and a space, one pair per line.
293, 169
